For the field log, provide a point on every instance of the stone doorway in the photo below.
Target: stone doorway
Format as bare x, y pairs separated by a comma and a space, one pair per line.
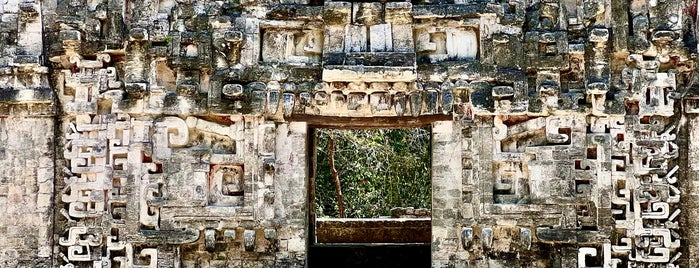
386, 249
371, 185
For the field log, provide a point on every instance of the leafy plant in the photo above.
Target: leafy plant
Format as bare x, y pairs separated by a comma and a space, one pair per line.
377, 169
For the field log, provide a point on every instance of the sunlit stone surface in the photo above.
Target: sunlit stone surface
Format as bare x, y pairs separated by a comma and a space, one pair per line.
167, 133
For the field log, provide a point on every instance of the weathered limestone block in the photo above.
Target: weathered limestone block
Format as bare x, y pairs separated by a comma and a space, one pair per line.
446, 187
290, 184
281, 45
336, 16
355, 38
170, 132
250, 49
380, 36
398, 16
226, 186
546, 49
26, 191
452, 43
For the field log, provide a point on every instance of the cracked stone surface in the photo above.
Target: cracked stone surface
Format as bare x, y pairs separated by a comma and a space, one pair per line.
163, 133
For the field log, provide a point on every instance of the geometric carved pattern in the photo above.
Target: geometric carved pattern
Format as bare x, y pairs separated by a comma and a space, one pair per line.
166, 133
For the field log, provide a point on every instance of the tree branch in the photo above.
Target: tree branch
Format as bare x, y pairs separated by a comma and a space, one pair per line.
336, 178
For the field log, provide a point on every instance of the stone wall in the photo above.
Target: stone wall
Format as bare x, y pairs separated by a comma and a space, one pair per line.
174, 133
27, 140
26, 191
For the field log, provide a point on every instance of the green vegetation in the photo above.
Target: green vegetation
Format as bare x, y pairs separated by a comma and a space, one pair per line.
377, 169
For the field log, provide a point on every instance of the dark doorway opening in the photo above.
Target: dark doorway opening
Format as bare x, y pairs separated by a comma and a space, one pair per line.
369, 255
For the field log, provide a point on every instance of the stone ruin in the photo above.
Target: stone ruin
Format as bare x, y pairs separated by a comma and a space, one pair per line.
175, 133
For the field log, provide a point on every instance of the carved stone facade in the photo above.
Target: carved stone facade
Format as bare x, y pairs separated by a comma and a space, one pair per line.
174, 133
